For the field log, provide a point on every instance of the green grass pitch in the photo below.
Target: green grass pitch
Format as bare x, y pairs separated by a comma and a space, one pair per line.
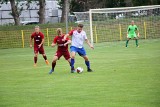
123, 77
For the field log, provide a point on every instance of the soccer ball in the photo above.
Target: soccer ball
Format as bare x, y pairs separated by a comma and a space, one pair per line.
79, 70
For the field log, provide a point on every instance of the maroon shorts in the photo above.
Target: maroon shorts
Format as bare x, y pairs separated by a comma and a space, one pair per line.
63, 53
37, 49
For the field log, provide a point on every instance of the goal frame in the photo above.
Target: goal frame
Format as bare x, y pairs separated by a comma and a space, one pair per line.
116, 10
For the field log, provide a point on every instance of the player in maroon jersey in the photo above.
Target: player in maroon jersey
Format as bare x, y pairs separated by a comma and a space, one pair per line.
62, 49
38, 44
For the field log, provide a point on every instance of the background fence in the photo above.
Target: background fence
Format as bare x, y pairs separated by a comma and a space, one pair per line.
21, 38
15, 37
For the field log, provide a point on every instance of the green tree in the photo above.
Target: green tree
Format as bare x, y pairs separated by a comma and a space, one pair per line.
85, 5
41, 11
128, 3
145, 2
76, 7
114, 3
16, 10
64, 6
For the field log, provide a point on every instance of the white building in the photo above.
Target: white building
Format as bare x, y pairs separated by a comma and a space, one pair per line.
52, 12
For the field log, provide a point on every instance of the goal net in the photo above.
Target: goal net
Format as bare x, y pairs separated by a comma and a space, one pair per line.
110, 24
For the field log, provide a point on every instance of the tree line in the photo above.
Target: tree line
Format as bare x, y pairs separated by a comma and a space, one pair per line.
17, 9
70, 6
85, 5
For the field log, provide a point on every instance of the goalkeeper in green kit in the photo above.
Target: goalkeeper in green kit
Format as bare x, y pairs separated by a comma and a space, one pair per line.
131, 33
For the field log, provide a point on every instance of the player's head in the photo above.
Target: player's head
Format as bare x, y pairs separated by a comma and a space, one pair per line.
59, 31
79, 27
132, 22
37, 29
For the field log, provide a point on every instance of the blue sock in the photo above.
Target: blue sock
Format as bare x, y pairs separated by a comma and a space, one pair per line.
87, 64
72, 63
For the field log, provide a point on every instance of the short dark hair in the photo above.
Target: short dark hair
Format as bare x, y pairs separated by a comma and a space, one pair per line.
80, 25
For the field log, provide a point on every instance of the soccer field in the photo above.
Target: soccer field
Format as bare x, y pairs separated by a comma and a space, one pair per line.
122, 77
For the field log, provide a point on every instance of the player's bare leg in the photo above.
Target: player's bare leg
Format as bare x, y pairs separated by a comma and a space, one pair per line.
45, 58
53, 64
136, 41
87, 63
69, 61
35, 59
127, 41
73, 54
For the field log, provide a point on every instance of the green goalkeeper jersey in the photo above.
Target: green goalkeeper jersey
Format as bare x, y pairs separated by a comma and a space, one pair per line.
131, 29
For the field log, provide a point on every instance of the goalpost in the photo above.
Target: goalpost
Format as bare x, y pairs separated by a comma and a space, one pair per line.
110, 24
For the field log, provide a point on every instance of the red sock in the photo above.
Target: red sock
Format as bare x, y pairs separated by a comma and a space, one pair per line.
35, 60
53, 65
45, 57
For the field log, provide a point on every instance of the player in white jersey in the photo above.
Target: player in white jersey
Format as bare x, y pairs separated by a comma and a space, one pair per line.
78, 37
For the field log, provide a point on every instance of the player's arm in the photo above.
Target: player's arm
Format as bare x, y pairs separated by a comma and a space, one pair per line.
138, 33
137, 30
68, 42
42, 42
128, 31
31, 38
54, 42
87, 41
89, 44
67, 35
